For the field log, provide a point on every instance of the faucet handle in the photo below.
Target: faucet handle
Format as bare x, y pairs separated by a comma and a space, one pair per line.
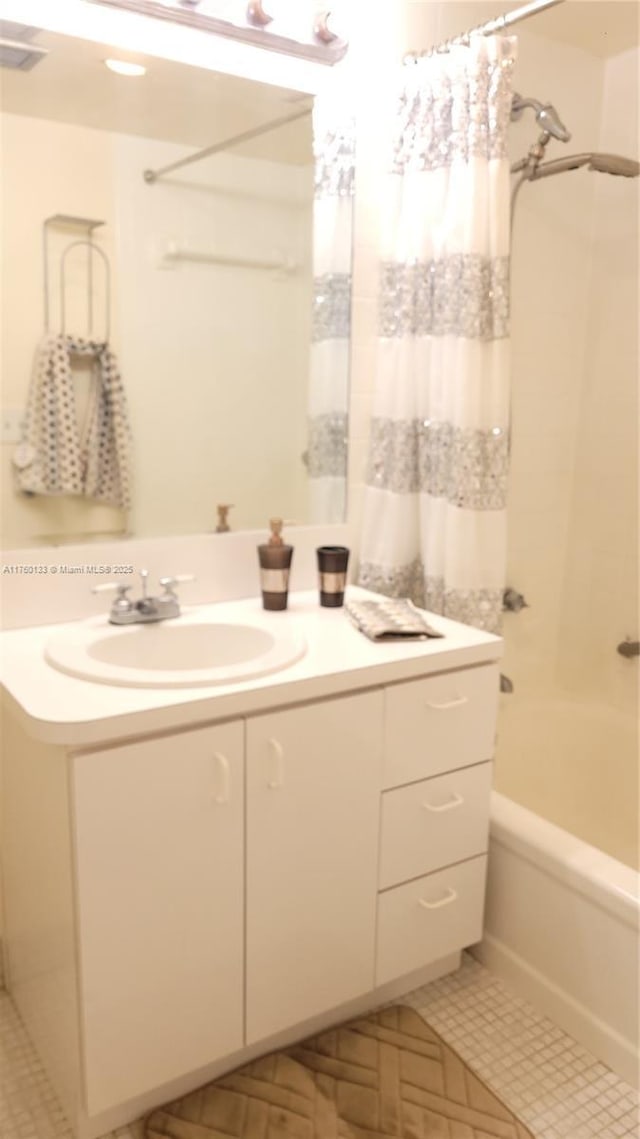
122, 603
168, 583
110, 586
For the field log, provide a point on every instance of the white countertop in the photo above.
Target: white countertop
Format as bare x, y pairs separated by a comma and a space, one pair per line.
61, 709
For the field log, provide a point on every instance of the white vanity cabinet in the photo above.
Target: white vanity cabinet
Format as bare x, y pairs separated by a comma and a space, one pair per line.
313, 802
434, 833
190, 883
159, 874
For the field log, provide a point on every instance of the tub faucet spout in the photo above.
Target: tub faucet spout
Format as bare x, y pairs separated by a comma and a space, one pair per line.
512, 601
629, 648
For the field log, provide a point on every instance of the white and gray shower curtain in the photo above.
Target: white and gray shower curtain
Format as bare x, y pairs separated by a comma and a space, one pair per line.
435, 502
334, 166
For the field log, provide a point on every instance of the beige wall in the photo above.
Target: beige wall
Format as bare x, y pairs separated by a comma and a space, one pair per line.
47, 169
568, 737
601, 572
551, 272
573, 506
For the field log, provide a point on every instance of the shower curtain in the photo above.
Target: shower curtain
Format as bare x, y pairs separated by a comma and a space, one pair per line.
435, 500
334, 159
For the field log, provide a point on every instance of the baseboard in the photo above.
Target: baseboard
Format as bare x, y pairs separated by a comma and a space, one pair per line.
601, 1039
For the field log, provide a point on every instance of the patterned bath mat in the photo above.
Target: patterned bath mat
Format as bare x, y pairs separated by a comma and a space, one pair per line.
387, 1074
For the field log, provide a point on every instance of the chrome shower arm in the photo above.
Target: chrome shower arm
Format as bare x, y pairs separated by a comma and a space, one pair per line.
546, 116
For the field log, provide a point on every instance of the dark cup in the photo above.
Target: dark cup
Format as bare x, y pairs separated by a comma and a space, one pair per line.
332, 573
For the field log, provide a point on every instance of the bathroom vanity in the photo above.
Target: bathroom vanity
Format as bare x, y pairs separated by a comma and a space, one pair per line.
194, 876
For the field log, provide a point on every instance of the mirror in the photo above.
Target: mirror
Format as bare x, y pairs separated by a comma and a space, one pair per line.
203, 283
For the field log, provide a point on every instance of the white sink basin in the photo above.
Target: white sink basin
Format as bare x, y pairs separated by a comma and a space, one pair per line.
179, 653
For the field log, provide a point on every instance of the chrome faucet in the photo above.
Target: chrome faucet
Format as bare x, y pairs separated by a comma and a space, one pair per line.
124, 611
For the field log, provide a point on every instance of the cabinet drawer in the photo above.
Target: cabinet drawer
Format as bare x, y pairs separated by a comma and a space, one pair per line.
429, 918
434, 823
439, 723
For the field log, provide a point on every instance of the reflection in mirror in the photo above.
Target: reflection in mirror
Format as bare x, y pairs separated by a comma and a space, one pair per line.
234, 361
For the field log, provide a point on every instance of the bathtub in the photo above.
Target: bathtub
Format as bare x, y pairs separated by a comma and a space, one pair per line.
562, 927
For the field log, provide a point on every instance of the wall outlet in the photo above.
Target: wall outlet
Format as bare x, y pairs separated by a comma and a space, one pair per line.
11, 420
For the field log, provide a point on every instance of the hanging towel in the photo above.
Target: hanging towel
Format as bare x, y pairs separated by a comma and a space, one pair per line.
55, 456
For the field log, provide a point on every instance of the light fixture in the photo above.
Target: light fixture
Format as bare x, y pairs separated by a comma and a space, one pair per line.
123, 67
285, 26
124, 26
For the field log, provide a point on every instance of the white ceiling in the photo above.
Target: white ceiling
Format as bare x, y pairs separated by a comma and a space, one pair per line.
600, 27
173, 101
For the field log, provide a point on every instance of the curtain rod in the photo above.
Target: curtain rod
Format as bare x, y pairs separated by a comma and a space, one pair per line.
496, 25
153, 175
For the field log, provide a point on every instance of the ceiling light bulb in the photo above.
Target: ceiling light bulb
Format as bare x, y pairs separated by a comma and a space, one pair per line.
123, 67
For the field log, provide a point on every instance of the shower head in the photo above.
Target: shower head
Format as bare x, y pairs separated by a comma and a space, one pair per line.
615, 164
546, 116
604, 163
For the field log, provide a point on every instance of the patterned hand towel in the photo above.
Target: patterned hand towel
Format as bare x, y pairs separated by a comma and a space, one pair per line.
55, 457
389, 620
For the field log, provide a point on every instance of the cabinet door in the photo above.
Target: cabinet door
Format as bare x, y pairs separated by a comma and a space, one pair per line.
313, 783
159, 858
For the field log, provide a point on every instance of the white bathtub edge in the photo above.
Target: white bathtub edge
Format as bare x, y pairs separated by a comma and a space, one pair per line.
603, 879
601, 1039
563, 934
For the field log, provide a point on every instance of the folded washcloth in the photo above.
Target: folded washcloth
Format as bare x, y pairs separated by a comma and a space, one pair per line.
391, 618
55, 457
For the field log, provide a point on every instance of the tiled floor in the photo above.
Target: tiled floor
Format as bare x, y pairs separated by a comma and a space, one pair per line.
557, 1088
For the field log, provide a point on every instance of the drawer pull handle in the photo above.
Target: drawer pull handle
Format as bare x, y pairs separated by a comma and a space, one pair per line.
224, 777
456, 703
449, 897
277, 765
455, 801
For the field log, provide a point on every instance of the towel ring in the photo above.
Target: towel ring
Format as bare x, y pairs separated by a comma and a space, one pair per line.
93, 248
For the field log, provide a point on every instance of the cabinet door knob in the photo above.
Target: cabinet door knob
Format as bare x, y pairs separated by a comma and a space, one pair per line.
224, 777
277, 765
457, 702
449, 897
455, 800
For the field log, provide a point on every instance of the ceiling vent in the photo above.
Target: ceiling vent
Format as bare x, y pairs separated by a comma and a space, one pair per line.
16, 50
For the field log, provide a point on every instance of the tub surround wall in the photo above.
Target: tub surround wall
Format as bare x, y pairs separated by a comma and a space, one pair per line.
570, 762
601, 570
573, 508
551, 261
